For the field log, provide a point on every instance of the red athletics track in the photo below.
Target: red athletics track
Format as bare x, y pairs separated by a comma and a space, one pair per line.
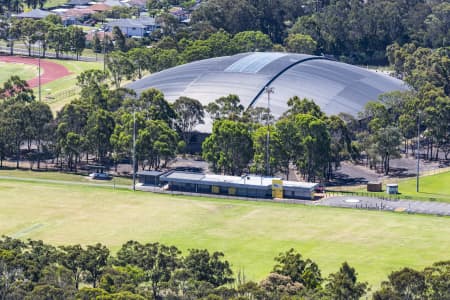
50, 71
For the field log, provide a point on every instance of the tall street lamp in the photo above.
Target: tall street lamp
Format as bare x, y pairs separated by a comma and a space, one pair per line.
39, 35
268, 90
39, 71
134, 148
418, 151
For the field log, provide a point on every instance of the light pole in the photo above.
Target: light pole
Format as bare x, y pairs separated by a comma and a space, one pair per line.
418, 151
104, 52
134, 148
268, 90
39, 70
39, 36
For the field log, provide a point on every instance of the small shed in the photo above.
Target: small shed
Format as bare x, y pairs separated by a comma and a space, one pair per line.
374, 186
149, 177
392, 188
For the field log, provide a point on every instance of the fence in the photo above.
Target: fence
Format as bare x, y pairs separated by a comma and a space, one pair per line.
64, 94
379, 195
17, 50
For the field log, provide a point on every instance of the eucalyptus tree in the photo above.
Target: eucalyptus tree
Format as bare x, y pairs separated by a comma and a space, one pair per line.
190, 113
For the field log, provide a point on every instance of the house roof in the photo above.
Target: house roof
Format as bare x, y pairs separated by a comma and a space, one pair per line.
136, 23
78, 12
138, 3
126, 23
115, 3
100, 7
150, 173
35, 14
78, 2
253, 181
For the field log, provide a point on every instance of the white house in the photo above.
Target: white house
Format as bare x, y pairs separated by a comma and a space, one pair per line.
140, 27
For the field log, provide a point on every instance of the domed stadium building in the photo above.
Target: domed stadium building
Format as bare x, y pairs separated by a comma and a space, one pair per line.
336, 87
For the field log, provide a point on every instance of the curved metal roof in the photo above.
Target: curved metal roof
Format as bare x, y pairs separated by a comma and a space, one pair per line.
336, 87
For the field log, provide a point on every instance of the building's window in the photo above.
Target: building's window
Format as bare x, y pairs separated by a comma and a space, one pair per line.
134, 28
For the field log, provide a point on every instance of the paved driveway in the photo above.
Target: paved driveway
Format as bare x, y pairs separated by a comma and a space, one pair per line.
432, 208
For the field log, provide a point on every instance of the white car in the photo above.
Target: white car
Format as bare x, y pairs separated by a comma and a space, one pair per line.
100, 176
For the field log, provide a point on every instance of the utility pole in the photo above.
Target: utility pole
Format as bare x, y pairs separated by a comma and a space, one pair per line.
268, 90
134, 148
104, 52
418, 151
39, 71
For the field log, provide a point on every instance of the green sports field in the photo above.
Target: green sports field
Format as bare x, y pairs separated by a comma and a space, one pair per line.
434, 186
250, 233
431, 188
22, 70
54, 92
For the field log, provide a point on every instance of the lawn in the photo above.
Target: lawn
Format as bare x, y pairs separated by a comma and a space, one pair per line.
22, 70
431, 188
249, 233
53, 175
54, 92
54, 3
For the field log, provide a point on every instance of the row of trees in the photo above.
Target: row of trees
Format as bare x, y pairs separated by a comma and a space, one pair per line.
423, 111
304, 137
16, 6
316, 144
100, 123
48, 33
35, 270
355, 31
131, 63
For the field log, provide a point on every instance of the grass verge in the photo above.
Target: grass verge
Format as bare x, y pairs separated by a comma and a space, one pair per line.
434, 187
54, 175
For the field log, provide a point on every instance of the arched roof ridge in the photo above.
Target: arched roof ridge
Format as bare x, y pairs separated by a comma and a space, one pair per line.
277, 75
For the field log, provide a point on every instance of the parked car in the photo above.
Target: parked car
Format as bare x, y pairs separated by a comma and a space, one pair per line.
100, 176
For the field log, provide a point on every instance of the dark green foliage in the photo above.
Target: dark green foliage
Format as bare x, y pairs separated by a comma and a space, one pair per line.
203, 266
344, 285
190, 113
35, 270
404, 284
229, 148
291, 264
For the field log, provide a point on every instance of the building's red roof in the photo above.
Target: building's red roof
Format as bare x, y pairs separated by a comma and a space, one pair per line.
78, 12
100, 35
100, 7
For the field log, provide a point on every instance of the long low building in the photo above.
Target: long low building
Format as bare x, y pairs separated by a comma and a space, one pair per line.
245, 186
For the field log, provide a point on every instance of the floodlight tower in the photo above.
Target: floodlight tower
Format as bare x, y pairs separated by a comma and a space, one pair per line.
418, 151
268, 90
134, 148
